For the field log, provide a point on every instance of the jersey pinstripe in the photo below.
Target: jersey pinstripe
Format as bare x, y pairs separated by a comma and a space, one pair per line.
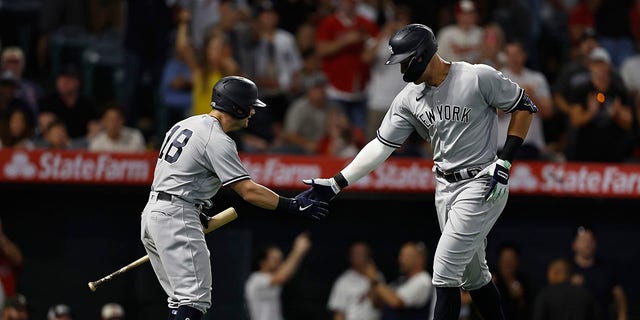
458, 117
196, 159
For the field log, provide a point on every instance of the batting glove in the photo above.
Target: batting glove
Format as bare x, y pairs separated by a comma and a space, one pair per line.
304, 205
499, 185
323, 189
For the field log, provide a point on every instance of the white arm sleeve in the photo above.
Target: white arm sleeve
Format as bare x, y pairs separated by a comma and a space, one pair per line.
369, 158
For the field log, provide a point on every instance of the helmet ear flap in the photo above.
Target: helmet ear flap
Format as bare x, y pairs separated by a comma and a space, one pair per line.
417, 65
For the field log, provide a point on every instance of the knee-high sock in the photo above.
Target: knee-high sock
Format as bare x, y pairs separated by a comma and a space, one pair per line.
447, 304
487, 301
188, 313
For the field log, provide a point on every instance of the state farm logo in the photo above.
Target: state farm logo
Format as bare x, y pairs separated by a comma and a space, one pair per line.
77, 167
20, 167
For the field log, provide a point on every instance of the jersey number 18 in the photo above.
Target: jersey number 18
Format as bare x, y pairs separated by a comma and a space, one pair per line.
178, 143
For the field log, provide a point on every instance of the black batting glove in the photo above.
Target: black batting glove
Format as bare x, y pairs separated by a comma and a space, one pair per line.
303, 205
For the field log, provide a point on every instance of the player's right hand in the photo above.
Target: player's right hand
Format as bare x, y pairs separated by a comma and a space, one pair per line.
304, 205
323, 189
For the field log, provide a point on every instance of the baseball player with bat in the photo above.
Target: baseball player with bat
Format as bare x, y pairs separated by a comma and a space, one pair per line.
195, 160
453, 105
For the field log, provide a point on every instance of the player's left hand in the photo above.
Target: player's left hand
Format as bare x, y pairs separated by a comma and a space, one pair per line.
499, 185
323, 189
204, 219
304, 205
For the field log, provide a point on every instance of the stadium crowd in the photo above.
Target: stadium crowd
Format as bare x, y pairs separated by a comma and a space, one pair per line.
113, 75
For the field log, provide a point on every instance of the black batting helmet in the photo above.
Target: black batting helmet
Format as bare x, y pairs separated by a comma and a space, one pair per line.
235, 95
416, 42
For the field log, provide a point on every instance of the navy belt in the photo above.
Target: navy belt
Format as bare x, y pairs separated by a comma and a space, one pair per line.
455, 176
169, 197
164, 196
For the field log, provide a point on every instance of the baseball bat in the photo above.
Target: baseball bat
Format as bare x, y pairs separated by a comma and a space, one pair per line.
217, 221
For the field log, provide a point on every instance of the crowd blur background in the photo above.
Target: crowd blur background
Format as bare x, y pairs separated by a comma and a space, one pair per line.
114, 75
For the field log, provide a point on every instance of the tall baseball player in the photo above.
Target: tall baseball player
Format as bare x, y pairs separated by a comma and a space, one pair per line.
452, 104
196, 159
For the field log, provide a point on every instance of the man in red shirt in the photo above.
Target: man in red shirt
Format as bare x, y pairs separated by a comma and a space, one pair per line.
340, 41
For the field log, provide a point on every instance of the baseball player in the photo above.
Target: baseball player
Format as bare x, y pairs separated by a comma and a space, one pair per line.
453, 105
195, 160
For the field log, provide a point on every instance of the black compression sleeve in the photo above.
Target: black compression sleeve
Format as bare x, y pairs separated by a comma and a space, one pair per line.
340, 180
283, 204
511, 145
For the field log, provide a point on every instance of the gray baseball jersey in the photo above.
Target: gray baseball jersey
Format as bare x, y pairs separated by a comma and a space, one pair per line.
196, 159
459, 116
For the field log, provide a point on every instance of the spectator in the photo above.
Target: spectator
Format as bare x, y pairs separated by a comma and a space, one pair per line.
15, 308
341, 139
277, 60
235, 24
19, 131
384, 84
29, 91
600, 115
8, 100
349, 298
409, 297
535, 85
59, 312
305, 37
214, 62
310, 68
56, 137
263, 288
71, 107
175, 88
11, 261
572, 74
206, 14
595, 274
491, 52
115, 137
515, 17
340, 41
306, 120
112, 311
461, 41
560, 299
512, 283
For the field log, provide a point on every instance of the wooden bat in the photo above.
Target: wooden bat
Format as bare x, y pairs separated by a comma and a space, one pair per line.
217, 221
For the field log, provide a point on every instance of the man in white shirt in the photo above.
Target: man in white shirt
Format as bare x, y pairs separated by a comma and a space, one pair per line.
263, 288
410, 299
462, 41
349, 298
116, 137
536, 86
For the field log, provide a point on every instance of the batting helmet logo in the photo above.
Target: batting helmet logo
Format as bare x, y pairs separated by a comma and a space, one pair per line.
416, 44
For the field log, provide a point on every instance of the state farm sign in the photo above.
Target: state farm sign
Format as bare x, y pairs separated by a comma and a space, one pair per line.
575, 179
73, 167
287, 172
